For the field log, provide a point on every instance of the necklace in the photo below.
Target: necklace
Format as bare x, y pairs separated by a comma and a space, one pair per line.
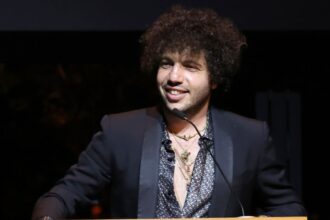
184, 168
184, 156
188, 137
184, 165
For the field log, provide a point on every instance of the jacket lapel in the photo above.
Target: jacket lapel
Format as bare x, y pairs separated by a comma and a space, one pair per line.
148, 183
224, 155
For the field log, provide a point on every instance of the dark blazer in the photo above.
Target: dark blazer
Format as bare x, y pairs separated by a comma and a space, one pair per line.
124, 156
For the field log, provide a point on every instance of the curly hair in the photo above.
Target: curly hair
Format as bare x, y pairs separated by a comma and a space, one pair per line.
196, 30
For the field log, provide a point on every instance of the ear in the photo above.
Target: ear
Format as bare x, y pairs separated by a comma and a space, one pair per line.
214, 85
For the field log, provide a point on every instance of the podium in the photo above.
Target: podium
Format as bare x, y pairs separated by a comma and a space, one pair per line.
231, 218
262, 218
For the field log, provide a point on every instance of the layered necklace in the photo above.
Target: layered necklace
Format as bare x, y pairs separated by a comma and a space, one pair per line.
186, 150
184, 155
185, 162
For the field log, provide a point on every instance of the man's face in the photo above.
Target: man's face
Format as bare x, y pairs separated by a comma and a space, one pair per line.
184, 82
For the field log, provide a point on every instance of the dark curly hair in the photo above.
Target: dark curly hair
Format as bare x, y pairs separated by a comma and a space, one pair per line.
196, 30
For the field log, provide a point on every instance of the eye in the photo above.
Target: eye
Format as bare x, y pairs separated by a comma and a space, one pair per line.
192, 68
165, 64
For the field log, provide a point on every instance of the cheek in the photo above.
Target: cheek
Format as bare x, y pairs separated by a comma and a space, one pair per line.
201, 83
160, 77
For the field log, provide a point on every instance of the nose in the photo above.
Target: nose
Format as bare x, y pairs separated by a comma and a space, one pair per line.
176, 74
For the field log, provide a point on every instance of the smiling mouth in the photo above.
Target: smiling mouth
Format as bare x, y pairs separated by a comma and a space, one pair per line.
175, 91
175, 95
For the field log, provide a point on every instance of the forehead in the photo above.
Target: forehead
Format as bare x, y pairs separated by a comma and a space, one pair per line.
185, 55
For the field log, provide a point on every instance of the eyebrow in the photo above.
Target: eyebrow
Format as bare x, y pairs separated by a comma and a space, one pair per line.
166, 58
184, 61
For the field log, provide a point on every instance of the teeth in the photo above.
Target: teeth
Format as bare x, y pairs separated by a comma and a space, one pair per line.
174, 92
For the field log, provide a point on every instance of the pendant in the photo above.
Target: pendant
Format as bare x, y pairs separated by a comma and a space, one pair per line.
184, 137
184, 156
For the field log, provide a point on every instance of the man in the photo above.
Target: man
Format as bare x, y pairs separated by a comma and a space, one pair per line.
155, 164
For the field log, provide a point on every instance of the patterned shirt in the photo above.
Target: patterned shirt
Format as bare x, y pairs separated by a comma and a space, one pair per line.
199, 191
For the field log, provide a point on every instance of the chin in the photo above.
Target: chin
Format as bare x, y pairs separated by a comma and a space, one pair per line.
171, 106
179, 107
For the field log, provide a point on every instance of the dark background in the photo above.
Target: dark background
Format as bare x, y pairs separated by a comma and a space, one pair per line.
136, 15
65, 64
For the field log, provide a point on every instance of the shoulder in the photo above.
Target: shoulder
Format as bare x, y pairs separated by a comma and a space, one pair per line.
234, 119
132, 116
239, 124
130, 121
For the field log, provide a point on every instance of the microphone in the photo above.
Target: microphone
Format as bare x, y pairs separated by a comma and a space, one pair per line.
184, 117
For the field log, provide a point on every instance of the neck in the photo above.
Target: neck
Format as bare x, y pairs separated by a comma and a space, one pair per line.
177, 125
